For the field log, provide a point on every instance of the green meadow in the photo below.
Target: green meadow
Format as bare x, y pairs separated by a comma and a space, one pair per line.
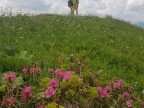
113, 46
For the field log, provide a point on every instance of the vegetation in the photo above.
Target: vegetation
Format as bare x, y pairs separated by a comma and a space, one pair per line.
110, 46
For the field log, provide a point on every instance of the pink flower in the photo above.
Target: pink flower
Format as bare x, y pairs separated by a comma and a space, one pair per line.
6, 76
67, 76
131, 88
99, 88
59, 72
12, 76
26, 93
11, 101
51, 71
80, 90
54, 82
25, 70
103, 93
112, 82
41, 106
120, 81
80, 79
125, 94
87, 85
129, 103
118, 84
39, 70
50, 91
32, 70
142, 103
108, 88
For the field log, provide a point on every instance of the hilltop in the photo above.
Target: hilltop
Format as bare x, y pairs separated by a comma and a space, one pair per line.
113, 46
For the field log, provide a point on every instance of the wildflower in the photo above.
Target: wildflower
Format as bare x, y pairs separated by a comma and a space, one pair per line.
108, 88
39, 70
125, 94
131, 88
12, 76
80, 90
32, 70
87, 85
142, 103
26, 93
11, 101
118, 84
50, 91
59, 72
80, 79
67, 76
51, 71
129, 103
41, 106
6, 76
103, 93
25, 70
54, 82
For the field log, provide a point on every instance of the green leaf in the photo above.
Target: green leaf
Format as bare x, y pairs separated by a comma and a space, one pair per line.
17, 82
52, 105
93, 92
2, 88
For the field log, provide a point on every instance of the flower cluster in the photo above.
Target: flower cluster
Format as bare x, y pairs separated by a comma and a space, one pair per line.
9, 102
104, 92
64, 75
26, 93
31, 70
118, 84
10, 77
50, 91
64, 88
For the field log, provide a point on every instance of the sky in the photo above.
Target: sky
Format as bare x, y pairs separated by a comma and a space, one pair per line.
128, 10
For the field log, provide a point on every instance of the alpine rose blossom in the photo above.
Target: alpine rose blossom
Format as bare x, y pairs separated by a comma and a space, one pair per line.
51, 71
142, 103
54, 82
11, 101
38, 70
25, 70
59, 72
6, 76
35, 70
80, 79
67, 76
10, 76
103, 93
26, 93
41, 106
108, 88
125, 94
118, 84
32, 70
129, 103
50, 91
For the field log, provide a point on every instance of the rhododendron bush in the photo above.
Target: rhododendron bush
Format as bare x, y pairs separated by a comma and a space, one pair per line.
61, 88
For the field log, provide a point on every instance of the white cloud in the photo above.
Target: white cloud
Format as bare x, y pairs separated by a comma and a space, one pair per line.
132, 10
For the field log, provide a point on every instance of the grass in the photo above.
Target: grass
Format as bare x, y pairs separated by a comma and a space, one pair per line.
107, 44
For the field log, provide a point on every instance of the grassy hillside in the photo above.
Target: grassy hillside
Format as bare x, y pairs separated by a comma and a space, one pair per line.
107, 44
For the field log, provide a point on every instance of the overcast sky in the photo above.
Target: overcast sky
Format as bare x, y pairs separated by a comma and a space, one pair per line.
130, 10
